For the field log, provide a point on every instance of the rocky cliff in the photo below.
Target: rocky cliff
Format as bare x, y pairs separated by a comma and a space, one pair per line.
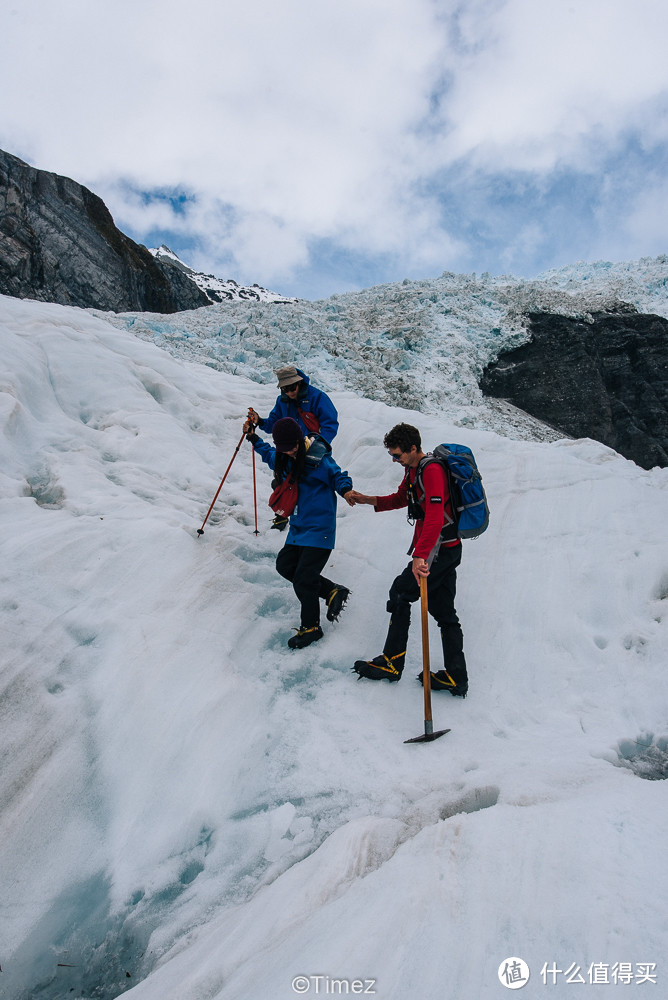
58, 243
604, 377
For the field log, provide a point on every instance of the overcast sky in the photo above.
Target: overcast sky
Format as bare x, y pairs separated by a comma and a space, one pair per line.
317, 146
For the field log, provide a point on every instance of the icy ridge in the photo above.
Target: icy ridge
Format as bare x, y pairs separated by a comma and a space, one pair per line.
417, 344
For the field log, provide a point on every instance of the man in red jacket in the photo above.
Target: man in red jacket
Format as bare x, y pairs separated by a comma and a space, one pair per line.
436, 552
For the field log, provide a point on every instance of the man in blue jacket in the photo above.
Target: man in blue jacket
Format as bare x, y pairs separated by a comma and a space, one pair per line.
312, 531
310, 407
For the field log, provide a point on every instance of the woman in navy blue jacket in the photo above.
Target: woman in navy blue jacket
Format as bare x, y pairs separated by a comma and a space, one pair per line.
312, 523
310, 407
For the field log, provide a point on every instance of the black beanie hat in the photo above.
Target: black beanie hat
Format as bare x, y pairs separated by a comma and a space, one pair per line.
286, 433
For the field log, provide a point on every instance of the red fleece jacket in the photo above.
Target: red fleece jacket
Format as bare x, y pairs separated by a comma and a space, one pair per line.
434, 503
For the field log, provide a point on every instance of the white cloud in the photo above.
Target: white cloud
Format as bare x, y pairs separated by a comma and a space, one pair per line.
641, 230
297, 122
544, 84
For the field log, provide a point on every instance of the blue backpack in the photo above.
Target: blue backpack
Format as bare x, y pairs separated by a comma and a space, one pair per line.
466, 490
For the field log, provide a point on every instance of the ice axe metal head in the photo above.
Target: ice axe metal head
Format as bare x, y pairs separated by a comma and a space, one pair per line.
429, 734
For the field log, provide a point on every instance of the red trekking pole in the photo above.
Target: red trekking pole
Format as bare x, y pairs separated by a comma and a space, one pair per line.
200, 531
256, 532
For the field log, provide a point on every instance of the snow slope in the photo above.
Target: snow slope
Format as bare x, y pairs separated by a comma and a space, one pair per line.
190, 810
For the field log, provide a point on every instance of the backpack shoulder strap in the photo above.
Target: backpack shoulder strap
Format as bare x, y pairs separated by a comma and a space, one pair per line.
428, 459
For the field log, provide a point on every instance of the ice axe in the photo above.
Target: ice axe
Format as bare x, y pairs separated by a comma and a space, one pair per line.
429, 733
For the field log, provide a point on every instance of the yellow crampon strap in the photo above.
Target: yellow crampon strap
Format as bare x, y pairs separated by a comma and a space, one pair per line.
391, 669
449, 678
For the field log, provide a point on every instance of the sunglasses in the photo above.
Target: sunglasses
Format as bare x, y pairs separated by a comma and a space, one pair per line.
291, 388
395, 455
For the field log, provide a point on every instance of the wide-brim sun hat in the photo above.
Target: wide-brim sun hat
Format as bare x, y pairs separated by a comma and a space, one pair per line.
287, 376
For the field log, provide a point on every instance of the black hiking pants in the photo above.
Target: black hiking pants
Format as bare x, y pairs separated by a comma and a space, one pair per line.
441, 590
302, 566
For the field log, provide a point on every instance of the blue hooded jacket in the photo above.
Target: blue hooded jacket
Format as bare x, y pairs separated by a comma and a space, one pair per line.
311, 400
313, 522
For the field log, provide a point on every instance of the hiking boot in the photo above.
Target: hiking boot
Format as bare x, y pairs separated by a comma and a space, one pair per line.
442, 681
336, 601
280, 523
381, 668
304, 637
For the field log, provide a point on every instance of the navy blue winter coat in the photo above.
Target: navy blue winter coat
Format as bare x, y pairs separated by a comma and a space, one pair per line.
309, 399
313, 522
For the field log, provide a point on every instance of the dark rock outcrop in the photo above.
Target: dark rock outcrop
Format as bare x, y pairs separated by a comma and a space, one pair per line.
58, 243
604, 378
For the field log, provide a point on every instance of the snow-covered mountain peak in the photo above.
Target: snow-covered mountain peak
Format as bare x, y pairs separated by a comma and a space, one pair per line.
218, 289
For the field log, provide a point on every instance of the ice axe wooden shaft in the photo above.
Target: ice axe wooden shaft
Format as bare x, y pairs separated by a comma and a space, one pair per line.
429, 733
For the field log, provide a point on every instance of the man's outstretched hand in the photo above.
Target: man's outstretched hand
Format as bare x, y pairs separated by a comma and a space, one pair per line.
354, 498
